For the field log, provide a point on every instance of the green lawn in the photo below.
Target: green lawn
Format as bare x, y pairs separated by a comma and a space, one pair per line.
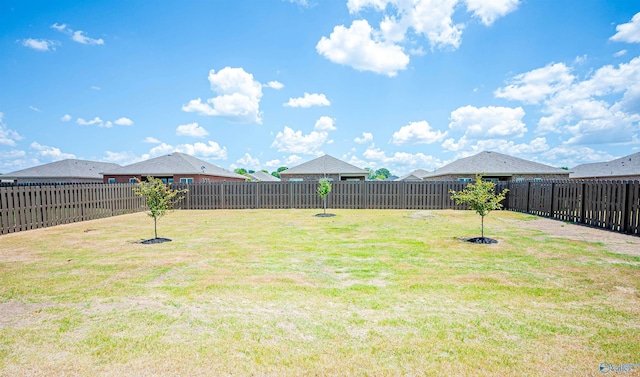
284, 293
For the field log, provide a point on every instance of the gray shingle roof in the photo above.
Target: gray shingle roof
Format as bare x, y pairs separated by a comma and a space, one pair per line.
624, 166
263, 177
325, 165
416, 174
69, 168
171, 164
494, 163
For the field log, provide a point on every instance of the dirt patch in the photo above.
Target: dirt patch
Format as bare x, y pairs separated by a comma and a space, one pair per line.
613, 242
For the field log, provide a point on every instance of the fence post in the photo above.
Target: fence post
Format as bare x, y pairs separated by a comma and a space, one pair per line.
583, 201
553, 200
527, 206
625, 205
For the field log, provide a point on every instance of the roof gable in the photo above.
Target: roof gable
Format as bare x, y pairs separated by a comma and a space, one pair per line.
325, 165
623, 166
69, 168
174, 163
262, 176
494, 163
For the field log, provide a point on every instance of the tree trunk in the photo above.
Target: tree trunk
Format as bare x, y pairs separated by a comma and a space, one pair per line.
155, 227
482, 226
324, 200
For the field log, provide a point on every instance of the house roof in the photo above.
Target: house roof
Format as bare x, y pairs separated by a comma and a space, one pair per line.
69, 168
172, 164
494, 163
624, 166
416, 174
263, 177
326, 165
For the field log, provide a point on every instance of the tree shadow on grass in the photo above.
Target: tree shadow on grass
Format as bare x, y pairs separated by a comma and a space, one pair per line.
155, 240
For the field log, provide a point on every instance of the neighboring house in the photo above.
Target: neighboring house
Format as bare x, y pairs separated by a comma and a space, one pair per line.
64, 171
325, 166
261, 176
626, 168
496, 167
174, 167
416, 175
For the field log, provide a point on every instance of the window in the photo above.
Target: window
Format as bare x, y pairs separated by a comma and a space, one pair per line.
464, 179
132, 180
206, 180
186, 180
537, 179
112, 180
519, 179
295, 180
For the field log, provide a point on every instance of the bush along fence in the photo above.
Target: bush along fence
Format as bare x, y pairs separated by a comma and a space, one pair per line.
612, 205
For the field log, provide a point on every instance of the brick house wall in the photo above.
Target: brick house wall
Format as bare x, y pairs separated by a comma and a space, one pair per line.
316, 177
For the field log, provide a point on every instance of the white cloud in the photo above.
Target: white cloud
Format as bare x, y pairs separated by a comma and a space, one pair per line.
417, 133
83, 122
400, 161
383, 50
620, 53
629, 32
308, 100
40, 44
571, 156
80, 37
292, 160
107, 124
211, 150
191, 129
248, 161
123, 122
7, 136
602, 108
77, 35
366, 137
52, 153
94, 87
489, 122
490, 10
534, 86
35, 109
325, 123
291, 141
122, 158
238, 96
273, 163
59, 27
274, 85
359, 47
151, 140
66, 118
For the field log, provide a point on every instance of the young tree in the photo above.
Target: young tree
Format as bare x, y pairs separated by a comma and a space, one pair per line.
324, 188
159, 198
480, 196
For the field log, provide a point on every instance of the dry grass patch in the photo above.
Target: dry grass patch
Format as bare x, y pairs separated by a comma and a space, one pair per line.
282, 292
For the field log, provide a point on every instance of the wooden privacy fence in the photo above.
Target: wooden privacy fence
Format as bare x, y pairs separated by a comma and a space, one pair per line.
32, 207
345, 194
613, 205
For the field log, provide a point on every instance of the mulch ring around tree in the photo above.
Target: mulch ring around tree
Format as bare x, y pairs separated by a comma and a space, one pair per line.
325, 214
155, 240
481, 240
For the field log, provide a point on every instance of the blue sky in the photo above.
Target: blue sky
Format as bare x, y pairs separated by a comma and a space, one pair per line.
401, 84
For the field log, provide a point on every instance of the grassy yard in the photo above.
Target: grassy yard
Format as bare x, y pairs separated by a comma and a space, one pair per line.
284, 293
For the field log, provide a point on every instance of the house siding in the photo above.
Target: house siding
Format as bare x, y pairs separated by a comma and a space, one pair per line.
197, 178
317, 177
